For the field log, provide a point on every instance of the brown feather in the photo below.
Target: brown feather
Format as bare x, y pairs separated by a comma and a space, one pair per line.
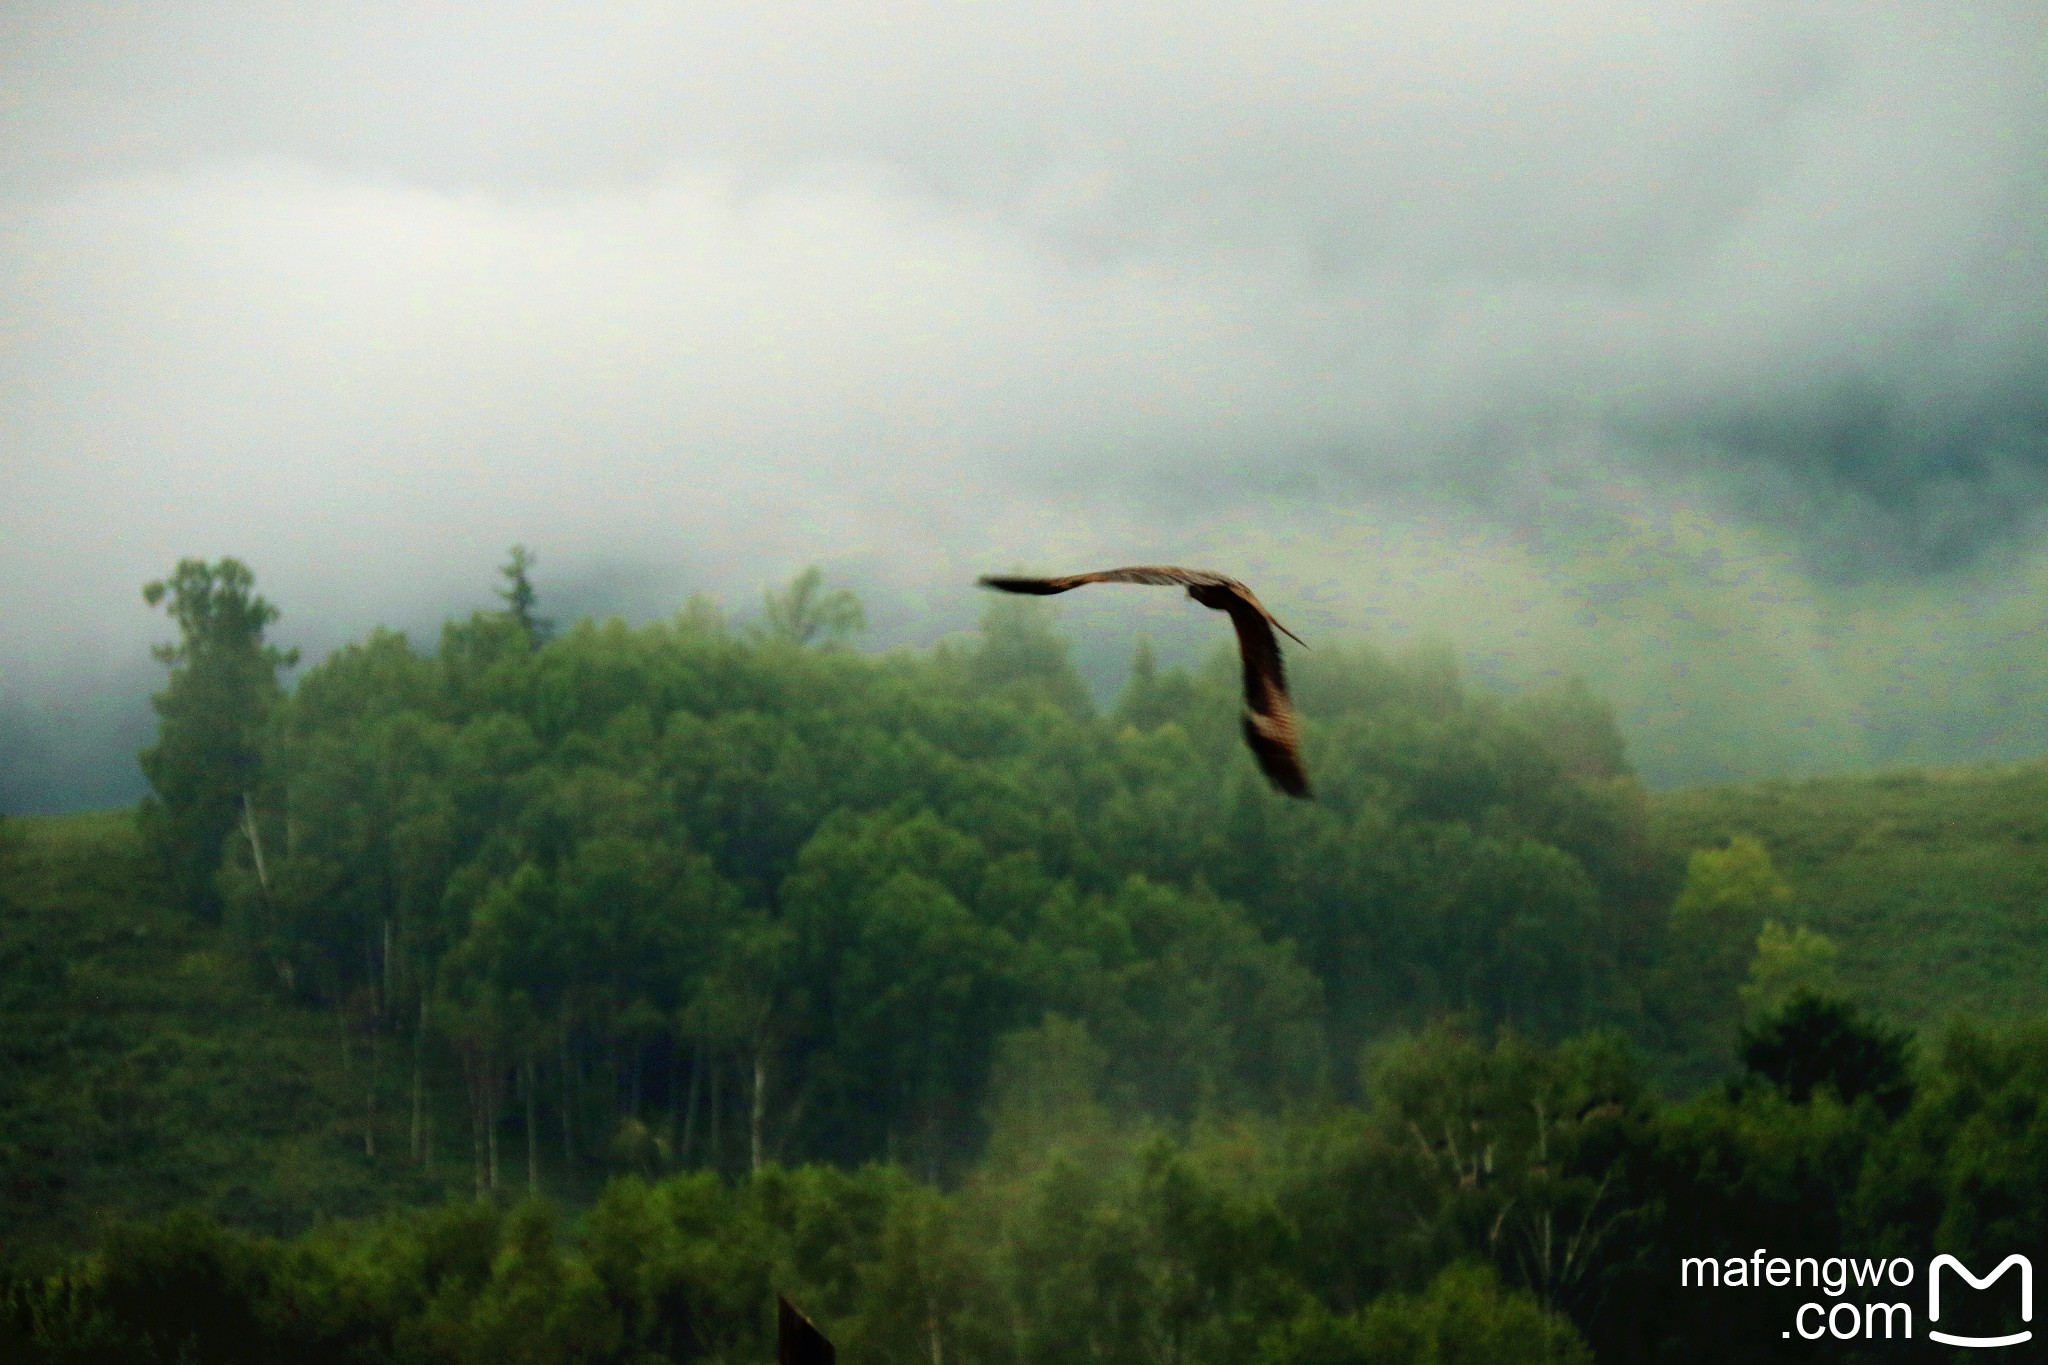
1269, 725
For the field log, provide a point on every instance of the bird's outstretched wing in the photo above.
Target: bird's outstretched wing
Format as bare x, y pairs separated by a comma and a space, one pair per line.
1157, 575
1269, 726
1154, 575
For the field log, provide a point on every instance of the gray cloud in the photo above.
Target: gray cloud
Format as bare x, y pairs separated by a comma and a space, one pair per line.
1415, 311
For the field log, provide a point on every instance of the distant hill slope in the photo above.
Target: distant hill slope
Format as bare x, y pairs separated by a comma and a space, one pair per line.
141, 1070
1934, 882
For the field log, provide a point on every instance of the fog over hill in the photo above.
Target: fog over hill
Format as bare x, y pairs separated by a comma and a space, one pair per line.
1704, 354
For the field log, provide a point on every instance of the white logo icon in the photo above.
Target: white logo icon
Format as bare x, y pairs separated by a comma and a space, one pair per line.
2026, 1298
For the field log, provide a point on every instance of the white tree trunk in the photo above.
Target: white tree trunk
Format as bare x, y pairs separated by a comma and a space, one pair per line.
757, 1120
532, 1131
255, 838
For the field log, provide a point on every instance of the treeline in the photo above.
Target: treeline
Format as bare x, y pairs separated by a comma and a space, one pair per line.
996, 1029
690, 895
1491, 1202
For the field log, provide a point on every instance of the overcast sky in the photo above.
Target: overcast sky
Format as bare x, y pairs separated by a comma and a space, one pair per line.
1702, 350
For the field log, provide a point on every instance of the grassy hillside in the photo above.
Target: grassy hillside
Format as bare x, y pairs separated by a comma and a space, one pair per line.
140, 1069
1934, 882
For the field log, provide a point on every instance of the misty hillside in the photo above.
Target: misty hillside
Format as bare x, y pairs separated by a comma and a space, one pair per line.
922, 984
1934, 882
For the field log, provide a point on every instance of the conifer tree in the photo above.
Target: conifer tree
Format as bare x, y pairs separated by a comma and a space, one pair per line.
520, 596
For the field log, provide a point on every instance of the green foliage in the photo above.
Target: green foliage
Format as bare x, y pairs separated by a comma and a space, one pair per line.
144, 1066
1816, 1041
1929, 882
206, 766
1196, 1011
1966, 1169
803, 612
1493, 1201
1728, 893
1576, 726
520, 597
669, 898
1789, 962
1463, 1318
1716, 922
1046, 1088
1508, 1152
743, 874
182, 1288
539, 1307
1150, 698
1022, 655
655, 920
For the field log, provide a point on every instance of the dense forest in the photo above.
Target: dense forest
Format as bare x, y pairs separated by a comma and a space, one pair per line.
561, 995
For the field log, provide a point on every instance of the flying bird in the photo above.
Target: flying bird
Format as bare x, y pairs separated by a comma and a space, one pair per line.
1268, 716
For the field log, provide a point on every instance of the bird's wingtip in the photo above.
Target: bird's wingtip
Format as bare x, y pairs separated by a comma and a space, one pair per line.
1036, 587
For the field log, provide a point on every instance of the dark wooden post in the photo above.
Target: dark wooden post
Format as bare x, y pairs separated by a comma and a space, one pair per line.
798, 1340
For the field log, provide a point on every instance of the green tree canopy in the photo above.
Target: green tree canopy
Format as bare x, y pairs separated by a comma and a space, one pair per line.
206, 765
1816, 1041
804, 613
1720, 912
